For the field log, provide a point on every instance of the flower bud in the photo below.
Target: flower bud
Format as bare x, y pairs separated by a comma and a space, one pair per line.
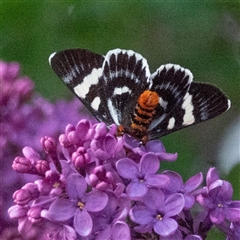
42, 166
49, 144
22, 165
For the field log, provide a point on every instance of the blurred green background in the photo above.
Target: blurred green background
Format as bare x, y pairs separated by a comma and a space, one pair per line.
203, 36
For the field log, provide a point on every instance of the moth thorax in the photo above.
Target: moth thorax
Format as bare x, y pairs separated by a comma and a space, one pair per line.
144, 113
148, 100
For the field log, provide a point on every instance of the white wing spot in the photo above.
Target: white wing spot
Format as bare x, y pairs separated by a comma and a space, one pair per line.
163, 103
171, 123
82, 89
121, 90
95, 103
188, 117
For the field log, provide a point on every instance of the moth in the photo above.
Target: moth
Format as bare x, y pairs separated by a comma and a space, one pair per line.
119, 88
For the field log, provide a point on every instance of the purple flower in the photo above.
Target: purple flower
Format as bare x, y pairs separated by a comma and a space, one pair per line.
63, 232
158, 212
90, 184
218, 199
153, 146
109, 147
78, 205
32, 226
121, 231
21, 111
142, 175
109, 223
176, 186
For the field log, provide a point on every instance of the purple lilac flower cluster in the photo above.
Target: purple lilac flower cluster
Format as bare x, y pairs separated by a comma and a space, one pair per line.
25, 117
94, 185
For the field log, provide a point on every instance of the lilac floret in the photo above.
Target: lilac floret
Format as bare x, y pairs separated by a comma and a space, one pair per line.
176, 185
158, 211
153, 146
218, 200
142, 175
110, 222
78, 205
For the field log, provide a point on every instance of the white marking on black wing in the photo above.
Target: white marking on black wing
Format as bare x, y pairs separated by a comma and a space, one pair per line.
50, 58
80, 70
95, 103
187, 106
208, 101
182, 77
163, 103
171, 82
171, 123
125, 76
121, 90
83, 88
187, 102
114, 112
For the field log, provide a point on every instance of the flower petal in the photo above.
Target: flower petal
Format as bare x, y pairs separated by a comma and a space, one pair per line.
17, 211
193, 182
170, 157
136, 190
226, 191
109, 144
76, 186
127, 168
121, 230
174, 204
83, 223
158, 180
212, 176
82, 128
155, 146
66, 232
233, 214
96, 201
193, 237
61, 210
31, 154
141, 214
177, 235
143, 228
165, 227
105, 232
176, 182
189, 201
130, 142
98, 150
149, 164
217, 215
154, 199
